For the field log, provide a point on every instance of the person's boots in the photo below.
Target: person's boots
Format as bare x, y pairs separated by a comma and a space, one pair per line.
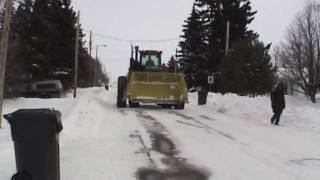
277, 120
272, 119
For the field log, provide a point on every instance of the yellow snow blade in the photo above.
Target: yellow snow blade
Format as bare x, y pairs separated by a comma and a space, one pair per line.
157, 87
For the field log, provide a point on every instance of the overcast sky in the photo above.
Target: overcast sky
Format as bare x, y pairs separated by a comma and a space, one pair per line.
163, 19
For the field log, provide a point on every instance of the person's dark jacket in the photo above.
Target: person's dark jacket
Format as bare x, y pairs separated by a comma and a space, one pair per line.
277, 99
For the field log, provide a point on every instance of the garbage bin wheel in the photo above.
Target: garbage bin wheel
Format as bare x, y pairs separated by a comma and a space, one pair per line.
21, 176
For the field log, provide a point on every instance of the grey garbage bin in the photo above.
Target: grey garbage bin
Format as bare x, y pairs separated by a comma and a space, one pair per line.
35, 133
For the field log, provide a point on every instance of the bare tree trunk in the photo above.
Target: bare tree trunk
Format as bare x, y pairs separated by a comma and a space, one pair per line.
317, 70
311, 32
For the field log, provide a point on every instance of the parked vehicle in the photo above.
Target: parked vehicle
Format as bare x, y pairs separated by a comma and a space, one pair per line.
44, 89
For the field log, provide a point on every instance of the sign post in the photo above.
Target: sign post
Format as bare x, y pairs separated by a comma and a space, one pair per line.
76, 57
211, 81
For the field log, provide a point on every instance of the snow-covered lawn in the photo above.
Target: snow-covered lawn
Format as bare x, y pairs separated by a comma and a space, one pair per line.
230, 138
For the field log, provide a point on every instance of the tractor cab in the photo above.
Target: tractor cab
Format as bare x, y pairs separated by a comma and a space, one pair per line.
150, 60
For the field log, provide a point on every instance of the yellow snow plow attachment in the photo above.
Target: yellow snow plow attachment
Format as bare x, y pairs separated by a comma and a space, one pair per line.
151, 81
164, 88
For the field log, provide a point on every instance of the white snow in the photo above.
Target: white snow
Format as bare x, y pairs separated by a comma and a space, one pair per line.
231, 137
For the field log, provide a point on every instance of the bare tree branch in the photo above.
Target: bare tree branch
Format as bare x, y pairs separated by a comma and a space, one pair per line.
300, 53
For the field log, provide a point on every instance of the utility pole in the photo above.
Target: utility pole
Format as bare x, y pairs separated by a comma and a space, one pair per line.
227, 38
4, 51
76, 57
90, 44
227, 48
96, 67
96, 64
90, 65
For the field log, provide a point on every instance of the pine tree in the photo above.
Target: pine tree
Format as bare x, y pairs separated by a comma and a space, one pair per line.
60, 22
15, 70
54, 34
172, 65
248, 69
262, 70
42, 41
192, 54
216, 13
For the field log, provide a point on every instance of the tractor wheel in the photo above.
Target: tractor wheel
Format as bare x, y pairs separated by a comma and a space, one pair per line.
180, 105
133, 105
122, 85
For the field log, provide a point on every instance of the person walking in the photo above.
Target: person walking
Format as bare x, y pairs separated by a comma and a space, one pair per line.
277, 102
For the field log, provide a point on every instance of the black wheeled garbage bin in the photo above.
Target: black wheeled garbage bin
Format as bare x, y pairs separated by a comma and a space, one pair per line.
202, 97
35, 133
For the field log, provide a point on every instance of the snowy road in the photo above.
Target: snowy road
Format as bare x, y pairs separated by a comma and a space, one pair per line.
230, 138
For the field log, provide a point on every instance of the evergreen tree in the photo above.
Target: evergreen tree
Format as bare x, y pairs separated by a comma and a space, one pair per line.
53, 23
248, 69
15, 71
172, 65
216, 13
192, 54
42, 45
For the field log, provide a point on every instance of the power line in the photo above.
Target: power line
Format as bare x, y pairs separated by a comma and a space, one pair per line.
52, 29
135, 40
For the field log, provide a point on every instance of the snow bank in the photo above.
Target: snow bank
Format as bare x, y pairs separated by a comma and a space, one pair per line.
299, 110
231, 137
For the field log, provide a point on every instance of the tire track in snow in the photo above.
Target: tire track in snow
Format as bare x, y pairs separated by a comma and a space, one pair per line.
97, 139
199, 124
257, 158
145, 150
178, 168
206, 118
306, 161
244, 150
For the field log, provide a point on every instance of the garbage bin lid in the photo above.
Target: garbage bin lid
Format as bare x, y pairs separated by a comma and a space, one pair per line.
36, 114
34, 125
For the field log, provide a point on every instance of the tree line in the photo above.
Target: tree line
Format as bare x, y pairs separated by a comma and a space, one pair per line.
245, 68
41, 46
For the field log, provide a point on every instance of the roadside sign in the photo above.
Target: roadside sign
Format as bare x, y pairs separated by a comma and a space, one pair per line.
210, 79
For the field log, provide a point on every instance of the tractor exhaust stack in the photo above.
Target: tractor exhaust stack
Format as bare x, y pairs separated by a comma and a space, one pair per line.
137, 52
